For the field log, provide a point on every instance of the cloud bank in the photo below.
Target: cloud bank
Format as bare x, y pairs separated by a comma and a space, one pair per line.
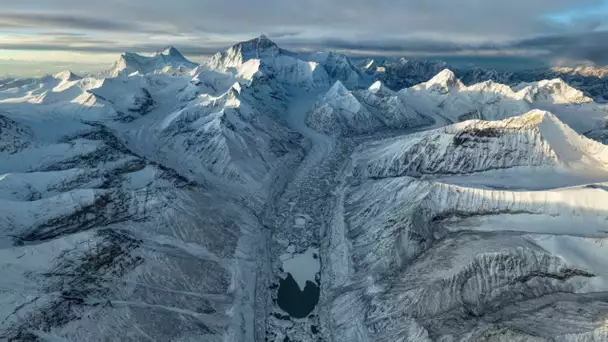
565, 29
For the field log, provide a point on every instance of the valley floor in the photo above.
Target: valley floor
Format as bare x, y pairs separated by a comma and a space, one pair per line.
297, 219
303, 218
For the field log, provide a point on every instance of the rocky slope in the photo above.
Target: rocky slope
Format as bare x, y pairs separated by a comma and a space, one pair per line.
427, 261
536, 138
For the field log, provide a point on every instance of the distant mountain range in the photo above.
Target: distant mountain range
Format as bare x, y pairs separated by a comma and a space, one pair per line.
400, 73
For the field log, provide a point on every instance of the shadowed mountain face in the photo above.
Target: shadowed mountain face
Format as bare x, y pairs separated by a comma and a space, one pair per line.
266, 195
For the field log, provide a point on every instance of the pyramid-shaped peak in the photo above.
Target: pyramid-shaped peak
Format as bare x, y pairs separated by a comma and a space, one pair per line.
532, 118
380, 89
67, 75
168, 51
260, 43
265, 40
338, 89
446, 76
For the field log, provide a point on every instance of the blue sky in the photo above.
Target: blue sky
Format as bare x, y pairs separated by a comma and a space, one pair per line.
96, 31
582, 12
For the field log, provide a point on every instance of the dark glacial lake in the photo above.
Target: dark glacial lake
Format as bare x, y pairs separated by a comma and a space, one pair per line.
296, 302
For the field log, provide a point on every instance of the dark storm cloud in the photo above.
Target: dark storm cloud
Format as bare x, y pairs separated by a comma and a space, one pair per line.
389, 46
454, 18
67, 21
450, 17
283, 34
581, 46
185, 49
61, 34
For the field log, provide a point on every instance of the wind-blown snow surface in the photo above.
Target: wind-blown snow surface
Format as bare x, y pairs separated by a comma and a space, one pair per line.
155, 204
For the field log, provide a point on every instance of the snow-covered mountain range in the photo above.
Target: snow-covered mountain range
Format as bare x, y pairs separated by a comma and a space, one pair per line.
401, 73
265, 195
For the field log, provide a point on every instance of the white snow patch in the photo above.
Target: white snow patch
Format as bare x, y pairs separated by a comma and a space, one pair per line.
302, 267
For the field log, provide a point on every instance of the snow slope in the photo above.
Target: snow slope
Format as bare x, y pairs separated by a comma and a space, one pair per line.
343, 111
448, 97
432, 261
166, 61
340, 68
403, 73
536, 138
261, 55
339, 111
115, 181
170, 201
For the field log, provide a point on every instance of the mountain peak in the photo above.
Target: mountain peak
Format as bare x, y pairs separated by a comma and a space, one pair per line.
256, 44
67, 75
169, 51
446, 76
162, 60
376, 86
263, 37
555, 90
379, 88
257, 48
338, 89
442, 82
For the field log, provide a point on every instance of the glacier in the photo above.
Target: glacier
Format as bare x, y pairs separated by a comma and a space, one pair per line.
267, 195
